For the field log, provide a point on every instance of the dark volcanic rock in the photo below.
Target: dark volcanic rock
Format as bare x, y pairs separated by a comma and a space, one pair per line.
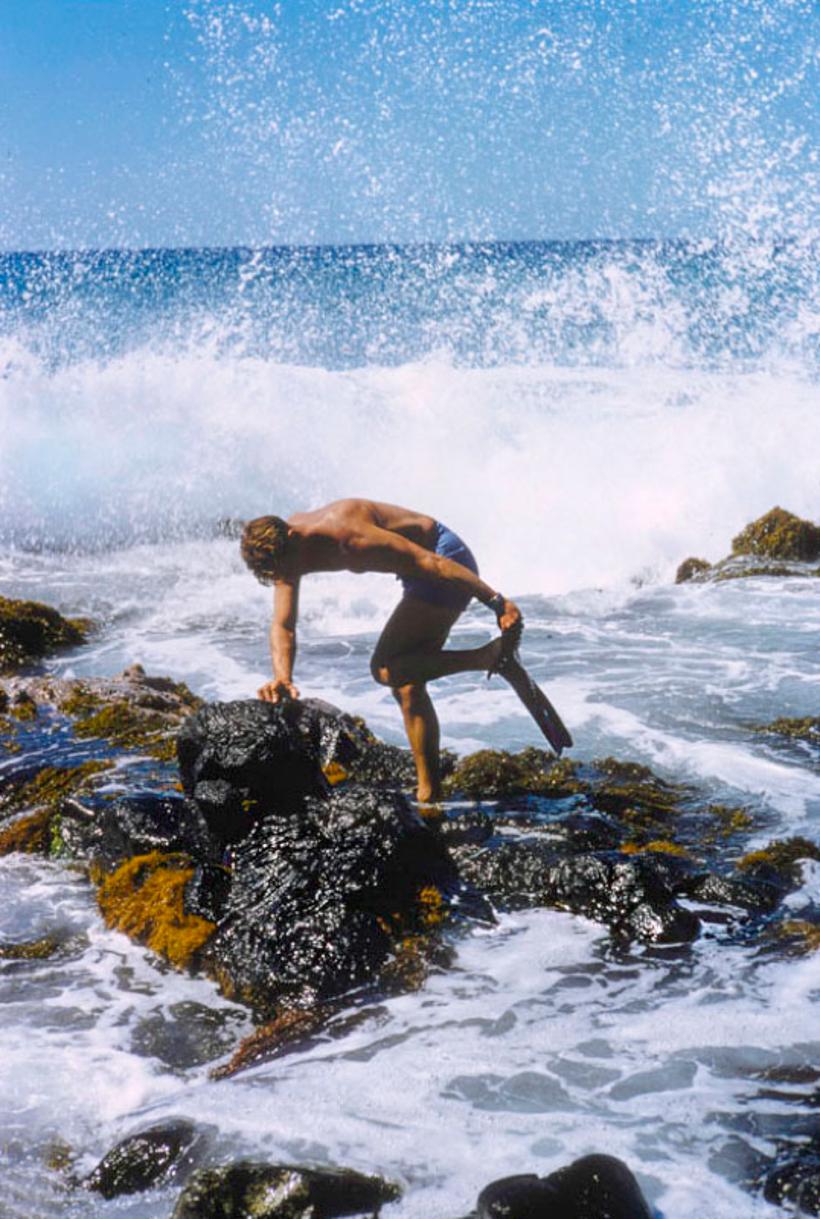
317, 897
136, 825
247, 758
794, 1181
267, 1191
143, 1159
594, 1187
629, 894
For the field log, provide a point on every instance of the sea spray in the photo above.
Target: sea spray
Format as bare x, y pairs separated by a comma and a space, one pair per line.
605, 409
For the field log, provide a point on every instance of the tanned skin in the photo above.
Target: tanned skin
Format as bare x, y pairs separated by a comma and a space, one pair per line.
362, 536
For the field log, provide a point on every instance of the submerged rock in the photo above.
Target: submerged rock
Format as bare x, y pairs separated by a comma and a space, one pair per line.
794, 1180
144, 1159
30, 630
806, 728
266, 1191
778, 863
594, 1187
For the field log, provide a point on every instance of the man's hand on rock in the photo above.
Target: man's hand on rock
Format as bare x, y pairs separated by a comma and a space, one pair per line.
275, 691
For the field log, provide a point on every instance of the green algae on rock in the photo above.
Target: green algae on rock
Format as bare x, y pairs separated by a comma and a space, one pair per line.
779, 535
145, 898
32, 950
799, 936
689, 569
30, 630
133, 712
490, 773
29, 835
781, 858
777, 544
36, 833
805, 729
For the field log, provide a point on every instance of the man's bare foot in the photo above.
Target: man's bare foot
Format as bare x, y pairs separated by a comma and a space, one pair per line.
431, 812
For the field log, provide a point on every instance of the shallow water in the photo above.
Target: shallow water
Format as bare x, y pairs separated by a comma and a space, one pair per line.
541, 1044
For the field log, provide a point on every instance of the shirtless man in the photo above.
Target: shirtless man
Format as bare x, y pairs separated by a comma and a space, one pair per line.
439, 576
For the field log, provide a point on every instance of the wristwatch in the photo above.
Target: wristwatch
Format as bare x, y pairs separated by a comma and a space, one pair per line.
496, 603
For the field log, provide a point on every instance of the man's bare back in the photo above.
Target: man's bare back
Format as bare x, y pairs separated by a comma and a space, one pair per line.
439, 575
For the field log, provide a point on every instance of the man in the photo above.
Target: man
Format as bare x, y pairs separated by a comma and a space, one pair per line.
439, 576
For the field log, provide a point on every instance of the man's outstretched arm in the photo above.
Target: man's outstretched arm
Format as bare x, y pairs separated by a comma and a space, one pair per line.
378, 549
283, 642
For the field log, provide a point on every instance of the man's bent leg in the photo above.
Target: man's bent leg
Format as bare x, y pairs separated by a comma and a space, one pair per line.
422, 728
415, 628
409, 651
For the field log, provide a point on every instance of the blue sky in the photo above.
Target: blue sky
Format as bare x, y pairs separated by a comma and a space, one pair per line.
208, 122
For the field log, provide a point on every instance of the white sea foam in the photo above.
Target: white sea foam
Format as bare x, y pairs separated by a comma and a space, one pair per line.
559, 478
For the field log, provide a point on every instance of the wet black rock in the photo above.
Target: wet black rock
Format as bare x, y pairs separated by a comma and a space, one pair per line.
207, 892
145, 1159
757, 897
135, 825
594, 1187
267, 1191
318, 898
247, 759
794, 1181
629, 894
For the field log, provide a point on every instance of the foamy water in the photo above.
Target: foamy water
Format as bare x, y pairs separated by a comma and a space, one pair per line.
586, 424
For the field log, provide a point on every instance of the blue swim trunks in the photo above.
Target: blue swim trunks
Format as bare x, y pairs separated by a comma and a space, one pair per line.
449, 545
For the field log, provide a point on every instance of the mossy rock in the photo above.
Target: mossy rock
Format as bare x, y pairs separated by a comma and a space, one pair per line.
33, 950
630, 772
781, 858
802, 936
779, 535
130, 728
805, 729
635, 795
265, 1191
727, 819
145, 899
691, 569
658, 846
30, 630
28, 835
51, 785
493, 773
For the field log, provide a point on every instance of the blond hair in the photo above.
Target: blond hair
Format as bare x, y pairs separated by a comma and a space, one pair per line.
263, 546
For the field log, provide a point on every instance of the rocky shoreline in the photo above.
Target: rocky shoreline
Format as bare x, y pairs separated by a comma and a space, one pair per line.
275, 851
